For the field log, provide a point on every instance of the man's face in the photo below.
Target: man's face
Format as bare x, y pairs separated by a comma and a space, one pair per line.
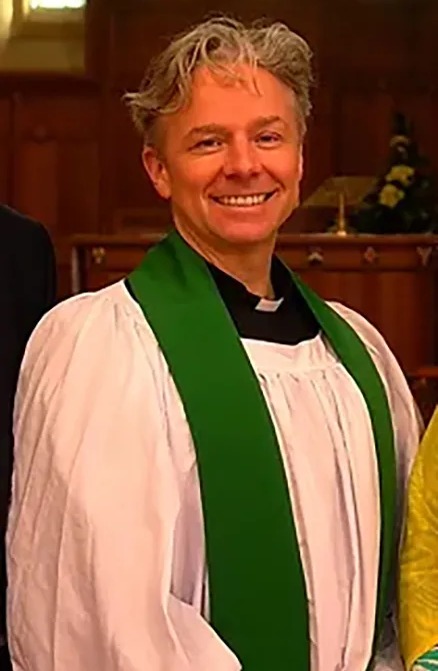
231, 161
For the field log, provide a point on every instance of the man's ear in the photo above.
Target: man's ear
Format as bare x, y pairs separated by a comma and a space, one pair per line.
156, 169
300, 164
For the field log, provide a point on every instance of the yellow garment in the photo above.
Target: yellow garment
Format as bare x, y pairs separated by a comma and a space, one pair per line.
418, 587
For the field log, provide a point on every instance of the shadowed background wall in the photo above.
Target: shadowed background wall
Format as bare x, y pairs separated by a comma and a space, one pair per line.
68, 153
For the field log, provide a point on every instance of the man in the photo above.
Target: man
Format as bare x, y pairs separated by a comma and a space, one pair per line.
209, 457
419, 559
27, 267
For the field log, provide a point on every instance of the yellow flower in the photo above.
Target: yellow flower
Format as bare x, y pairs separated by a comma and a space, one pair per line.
400, 173
390, 195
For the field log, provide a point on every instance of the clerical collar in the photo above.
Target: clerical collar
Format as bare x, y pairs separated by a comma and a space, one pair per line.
291, 321
234, 292
269, 304
286, 320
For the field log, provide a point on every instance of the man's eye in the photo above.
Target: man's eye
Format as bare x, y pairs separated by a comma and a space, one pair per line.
209, 143
269, 138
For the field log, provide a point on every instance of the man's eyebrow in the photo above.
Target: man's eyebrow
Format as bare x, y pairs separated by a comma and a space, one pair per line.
214, 128
266, 121
206, 129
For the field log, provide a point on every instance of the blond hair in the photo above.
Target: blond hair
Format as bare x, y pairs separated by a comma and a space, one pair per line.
220, 43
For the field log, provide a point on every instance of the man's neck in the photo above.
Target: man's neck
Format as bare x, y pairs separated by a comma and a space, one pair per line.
250, 265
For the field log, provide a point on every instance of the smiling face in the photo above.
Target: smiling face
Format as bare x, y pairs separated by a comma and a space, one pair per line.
230, 161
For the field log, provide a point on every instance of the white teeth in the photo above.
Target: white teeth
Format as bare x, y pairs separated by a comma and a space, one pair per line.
243, 201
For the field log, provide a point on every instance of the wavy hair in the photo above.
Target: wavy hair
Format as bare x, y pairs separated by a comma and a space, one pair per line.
219, 44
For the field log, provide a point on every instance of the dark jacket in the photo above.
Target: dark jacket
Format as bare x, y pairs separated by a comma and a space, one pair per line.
27, 291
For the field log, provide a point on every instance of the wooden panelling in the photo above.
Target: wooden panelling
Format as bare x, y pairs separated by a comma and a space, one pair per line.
363, 122
367, 36
365, 68
36, 180
6, 131
421, 55
422, 109
320, 148
141, 29
70, 157
130, 186
56, 166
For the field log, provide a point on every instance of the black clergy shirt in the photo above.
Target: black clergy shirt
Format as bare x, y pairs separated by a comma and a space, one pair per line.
290, 323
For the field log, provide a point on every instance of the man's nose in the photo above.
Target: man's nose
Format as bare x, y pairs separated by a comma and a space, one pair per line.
242, 159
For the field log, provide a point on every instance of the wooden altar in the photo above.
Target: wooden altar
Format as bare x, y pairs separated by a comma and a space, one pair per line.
392, 280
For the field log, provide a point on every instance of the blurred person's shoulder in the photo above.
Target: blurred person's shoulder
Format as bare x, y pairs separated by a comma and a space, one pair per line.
16, 227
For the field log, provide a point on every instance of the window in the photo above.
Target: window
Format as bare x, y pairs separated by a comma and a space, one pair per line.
45, 35
38, 13
56, 4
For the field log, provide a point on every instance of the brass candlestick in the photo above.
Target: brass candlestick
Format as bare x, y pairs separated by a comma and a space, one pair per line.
341, 224
338, 193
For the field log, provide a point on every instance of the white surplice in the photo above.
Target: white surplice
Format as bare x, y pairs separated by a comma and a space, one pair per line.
105, 541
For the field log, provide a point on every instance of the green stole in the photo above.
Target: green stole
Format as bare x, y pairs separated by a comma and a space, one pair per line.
258, 601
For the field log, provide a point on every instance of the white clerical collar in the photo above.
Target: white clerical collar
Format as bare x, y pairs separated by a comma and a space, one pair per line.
268, 305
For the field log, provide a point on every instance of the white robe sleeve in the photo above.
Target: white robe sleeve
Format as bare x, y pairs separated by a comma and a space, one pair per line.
403, 409
407, 428
94, 504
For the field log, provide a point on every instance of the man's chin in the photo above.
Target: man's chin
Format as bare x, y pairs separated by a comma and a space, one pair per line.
247, 234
